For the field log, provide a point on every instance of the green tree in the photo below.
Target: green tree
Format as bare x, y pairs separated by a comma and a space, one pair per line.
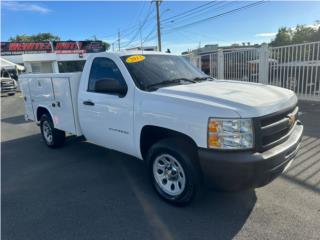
34, 38
316, 36
303, 34
283, 37
300, 34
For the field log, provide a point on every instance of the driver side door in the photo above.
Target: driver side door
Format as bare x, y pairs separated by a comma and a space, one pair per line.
106, 119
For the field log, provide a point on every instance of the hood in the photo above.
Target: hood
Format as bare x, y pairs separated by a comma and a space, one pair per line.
247, 99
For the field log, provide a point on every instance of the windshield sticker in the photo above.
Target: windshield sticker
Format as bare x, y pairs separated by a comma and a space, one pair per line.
135, 58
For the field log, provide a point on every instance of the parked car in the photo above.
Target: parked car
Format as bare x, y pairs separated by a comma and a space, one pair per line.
182, 123
8, 86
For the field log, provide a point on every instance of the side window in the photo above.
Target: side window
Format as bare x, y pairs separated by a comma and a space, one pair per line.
103, 68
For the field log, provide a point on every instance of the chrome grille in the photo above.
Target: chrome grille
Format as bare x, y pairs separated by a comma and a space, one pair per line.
276, 128
7, 85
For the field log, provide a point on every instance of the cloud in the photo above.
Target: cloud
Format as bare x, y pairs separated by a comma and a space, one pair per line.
267, 34
25, 7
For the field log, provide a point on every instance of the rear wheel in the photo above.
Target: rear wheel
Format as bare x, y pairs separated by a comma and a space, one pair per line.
52, 137
174, 171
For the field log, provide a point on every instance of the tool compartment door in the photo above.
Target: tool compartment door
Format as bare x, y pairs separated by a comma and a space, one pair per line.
41, 90
63, 109
25, 88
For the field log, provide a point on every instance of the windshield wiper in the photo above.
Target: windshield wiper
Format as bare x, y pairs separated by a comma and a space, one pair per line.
172, 81
203, 78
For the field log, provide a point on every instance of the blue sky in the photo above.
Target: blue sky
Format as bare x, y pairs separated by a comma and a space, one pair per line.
83, 20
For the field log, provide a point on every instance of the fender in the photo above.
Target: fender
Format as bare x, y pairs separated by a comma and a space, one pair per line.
150, 134
46, 108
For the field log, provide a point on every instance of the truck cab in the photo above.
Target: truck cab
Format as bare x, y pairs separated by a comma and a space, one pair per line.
184, 124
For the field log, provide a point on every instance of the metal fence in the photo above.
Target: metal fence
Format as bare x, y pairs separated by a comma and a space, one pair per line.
296, 67
241, 65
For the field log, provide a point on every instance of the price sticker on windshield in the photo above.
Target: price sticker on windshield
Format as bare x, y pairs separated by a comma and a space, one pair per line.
135, 59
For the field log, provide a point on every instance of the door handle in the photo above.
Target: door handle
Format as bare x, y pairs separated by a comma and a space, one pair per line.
89, 103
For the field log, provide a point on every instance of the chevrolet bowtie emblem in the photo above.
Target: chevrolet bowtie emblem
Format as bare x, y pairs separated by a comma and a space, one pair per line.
292, 119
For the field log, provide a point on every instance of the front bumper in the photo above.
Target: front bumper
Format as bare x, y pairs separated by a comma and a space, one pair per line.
8, 90
232, 171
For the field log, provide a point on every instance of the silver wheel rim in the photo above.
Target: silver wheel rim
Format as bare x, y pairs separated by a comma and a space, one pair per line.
169, 174
47, 132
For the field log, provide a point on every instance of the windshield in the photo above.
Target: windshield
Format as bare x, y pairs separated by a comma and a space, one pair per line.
161, 70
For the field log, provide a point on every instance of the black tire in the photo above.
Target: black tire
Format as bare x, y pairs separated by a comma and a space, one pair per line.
186, 155
57, 136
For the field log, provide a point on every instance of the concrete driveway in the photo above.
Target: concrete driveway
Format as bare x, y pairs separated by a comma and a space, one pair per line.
83, 191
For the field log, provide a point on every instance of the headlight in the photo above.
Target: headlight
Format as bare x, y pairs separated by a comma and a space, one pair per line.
230, 133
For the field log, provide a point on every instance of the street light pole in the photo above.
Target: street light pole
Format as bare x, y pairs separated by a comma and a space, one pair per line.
140, 30
119, 40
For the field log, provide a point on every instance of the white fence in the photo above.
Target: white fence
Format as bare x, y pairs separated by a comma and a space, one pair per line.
296, 67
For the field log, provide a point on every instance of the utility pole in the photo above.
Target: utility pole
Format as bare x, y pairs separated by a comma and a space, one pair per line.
119, 40
158, 24
140, 29
113, 47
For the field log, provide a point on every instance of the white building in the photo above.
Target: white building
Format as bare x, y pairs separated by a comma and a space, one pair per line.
49, 62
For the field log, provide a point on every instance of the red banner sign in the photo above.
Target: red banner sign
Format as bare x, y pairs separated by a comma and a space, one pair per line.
60, 47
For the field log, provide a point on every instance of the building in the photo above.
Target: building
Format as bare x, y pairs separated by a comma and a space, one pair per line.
210, 48
50, 57
143, 48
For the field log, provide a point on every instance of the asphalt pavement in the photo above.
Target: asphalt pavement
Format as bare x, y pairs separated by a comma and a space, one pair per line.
83, 191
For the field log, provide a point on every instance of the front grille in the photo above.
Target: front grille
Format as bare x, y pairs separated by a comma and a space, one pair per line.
7, 85
274, 129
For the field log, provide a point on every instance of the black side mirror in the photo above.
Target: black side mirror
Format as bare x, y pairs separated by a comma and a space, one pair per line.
110, 86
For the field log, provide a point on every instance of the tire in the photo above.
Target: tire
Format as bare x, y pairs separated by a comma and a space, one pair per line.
53, 137
174, 170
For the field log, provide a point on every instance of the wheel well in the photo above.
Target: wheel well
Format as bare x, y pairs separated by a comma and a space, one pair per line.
152, 134
41, 111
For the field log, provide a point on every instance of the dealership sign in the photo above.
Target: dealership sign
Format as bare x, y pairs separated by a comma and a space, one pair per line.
60, 47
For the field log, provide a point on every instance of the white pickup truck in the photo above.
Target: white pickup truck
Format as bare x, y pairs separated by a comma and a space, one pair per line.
182, 123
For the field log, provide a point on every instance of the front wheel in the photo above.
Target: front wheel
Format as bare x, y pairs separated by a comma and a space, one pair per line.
52, 137
174, 170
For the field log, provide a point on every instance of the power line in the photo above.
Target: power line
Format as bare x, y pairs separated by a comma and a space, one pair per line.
232, 11
202, 12
219, 15
211, 18
136, 34
136, 18
153, 31
190, 10
180, 14
134, 26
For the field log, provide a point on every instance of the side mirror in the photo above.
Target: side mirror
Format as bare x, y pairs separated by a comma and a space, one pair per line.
110, 86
